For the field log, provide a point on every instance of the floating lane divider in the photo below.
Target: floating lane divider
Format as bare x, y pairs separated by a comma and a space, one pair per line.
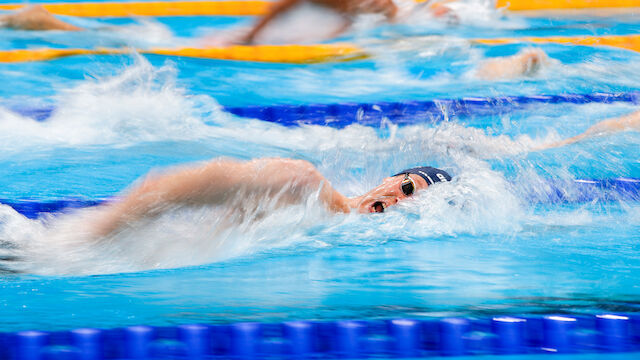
519, 5
346, 339
551, 191
402, 113
293, 54
154, 8
34, 208
258, 8
630, 42
298, 54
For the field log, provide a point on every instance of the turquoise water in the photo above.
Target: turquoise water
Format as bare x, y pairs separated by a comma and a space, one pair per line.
474, 247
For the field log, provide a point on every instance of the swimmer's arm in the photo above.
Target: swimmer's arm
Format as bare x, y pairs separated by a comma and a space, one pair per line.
214, 183
298, 178
157, 191
275, 10
608, 126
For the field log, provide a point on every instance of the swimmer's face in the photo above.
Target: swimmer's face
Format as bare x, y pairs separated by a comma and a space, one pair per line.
388, 194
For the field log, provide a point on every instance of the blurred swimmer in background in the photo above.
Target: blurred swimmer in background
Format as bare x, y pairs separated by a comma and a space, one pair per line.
346, 9
35, 17
246, 186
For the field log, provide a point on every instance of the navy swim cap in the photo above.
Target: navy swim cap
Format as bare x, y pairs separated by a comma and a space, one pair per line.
430, 174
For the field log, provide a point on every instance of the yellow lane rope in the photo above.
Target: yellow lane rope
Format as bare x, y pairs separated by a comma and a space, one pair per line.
13, 56
299, 54
516, 5
294, 54
260, 7
631, 42
155, 8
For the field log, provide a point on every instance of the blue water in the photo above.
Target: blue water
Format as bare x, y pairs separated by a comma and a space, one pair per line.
474, 247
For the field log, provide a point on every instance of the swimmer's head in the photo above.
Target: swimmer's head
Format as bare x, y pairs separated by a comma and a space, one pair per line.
399, 187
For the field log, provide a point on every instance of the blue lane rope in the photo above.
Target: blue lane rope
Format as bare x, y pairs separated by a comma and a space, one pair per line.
402, 113
353, 339
549, 192
33, 208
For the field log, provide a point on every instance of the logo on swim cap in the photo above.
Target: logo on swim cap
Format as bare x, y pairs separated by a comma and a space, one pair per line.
430, 174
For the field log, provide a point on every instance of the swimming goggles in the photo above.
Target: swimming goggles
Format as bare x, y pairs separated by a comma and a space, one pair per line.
407, 185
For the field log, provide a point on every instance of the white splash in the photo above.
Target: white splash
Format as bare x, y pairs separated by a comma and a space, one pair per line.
143, 34
140, 104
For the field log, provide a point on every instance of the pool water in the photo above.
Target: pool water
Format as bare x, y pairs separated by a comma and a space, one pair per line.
477, 246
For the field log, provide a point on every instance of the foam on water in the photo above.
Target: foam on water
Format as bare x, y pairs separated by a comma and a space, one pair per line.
143, 103
143, 34
140, 104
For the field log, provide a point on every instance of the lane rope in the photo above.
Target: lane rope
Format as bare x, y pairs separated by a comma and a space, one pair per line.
351, 339
292, 54
523, 5
377, 114
629, 42
259, 8
411, 112
154, 8
298, 54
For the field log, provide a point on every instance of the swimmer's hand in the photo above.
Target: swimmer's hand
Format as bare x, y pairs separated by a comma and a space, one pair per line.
217, 182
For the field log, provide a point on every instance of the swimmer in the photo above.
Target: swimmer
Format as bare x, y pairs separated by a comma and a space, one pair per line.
256, 181
287, 181
35, 17
346, 8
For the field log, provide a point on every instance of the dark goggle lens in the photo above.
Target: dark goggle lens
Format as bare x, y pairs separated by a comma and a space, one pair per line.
407, 187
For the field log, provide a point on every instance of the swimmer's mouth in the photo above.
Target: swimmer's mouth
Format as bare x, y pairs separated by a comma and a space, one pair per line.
378, 207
